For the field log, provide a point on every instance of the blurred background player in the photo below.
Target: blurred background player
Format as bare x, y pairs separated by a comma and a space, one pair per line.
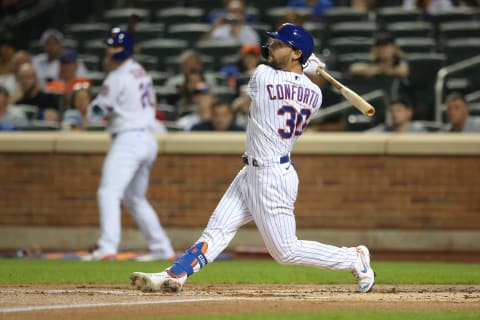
127, 101
283, 99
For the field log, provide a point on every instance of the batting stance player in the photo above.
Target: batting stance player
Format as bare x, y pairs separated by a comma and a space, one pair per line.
283, 100
127, 100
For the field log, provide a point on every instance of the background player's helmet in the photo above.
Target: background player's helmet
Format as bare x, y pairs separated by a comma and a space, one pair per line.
120, 38
295, 36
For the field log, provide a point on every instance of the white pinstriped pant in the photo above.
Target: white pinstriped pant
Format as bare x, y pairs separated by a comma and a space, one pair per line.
267, 195
125, 177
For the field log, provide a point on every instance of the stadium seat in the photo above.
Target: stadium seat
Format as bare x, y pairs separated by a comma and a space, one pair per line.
190, 32
162, 48
83, 32
120, 16
159, 78
217, 48
147, 31
410, 29
147, 61
173, 15
417, 44
343, 61
456, 14
423, 73
155, 5
456, 30
351, 30
344, 14
94, 47
274, 15
389, 15
92, 62
460, 49
340, 46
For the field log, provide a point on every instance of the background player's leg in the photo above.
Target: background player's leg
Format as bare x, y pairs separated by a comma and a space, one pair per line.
273, 211
118, 169
137, 204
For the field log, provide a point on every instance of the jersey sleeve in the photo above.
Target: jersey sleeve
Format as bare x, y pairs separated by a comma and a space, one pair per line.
253, 84
108, 93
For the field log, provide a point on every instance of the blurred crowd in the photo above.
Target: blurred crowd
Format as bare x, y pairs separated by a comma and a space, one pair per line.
49, 87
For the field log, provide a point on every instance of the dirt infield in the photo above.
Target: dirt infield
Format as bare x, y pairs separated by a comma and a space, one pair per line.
100, 302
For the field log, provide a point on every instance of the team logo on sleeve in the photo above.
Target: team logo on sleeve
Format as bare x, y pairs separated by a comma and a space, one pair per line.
104, 90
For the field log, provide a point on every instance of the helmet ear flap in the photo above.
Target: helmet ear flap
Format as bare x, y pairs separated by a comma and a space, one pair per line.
264, 51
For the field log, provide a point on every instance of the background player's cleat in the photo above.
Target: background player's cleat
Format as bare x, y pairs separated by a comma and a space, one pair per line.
162, 281
362, 270
154, 256
97, 255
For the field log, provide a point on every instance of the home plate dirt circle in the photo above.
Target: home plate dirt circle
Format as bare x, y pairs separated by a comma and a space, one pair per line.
83, 302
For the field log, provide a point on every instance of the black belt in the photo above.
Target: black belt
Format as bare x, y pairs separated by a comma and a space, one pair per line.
128, 130
255, 163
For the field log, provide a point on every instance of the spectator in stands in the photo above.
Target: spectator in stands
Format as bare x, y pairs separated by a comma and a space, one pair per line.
76, 116
31, 94
10, 119
190, 62
232, 26
8, 48
223, 119
291, 16
318, 7
214, 14
47, 63
401, 113
387, 59
185, 104
202, 100
428, 7
249, 59
67, 75
19, 59
458, 115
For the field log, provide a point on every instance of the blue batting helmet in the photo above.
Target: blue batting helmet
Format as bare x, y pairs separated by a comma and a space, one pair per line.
295, 36
120, 38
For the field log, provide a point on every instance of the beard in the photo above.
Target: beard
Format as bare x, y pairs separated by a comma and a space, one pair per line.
275, 64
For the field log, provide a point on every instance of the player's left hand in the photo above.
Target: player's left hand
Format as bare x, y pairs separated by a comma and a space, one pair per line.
312, 64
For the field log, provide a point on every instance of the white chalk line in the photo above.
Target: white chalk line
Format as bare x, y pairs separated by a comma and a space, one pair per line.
134, 303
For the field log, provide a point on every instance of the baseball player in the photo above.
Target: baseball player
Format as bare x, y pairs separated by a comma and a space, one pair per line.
127, 101
283, 100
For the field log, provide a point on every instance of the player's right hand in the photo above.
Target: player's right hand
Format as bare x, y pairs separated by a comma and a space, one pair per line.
312, 64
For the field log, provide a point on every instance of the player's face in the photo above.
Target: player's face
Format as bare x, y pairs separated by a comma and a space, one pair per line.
281, 55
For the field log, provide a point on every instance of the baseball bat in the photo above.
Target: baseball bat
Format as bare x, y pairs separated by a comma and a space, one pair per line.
357, 101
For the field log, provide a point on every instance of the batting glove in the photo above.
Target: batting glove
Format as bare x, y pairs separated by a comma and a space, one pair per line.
312, 64
96, 113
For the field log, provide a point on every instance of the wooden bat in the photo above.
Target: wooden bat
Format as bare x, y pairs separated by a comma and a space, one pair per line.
357, 101
132, 22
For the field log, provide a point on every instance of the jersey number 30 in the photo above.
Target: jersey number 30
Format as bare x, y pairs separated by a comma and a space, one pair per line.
295, 122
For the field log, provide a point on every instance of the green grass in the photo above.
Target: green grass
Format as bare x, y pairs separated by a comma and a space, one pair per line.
32, 271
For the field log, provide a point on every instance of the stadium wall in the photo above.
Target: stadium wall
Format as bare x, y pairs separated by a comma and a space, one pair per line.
389, 191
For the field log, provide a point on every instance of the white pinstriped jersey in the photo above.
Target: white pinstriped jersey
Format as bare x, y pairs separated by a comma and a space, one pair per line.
282, 105
128, 93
